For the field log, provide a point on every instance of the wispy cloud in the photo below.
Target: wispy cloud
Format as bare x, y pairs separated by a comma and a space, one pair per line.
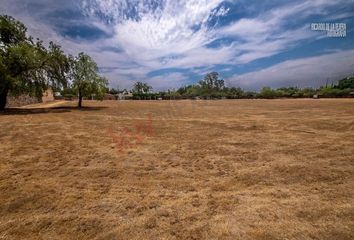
269, 33
304, 72
168, 81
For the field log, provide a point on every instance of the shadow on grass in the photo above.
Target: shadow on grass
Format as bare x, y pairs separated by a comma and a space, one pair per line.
63, 109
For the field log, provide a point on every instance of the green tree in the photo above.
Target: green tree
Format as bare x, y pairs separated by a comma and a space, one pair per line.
235, 92
141, 88
193, 91
85, 78
347, 83
211, 81
147, 88
333, 92
113, 91
308, 92
27, 66
138, 87
267, 92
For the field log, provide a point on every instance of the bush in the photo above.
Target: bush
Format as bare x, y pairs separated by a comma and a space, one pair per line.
334, 92
267, 92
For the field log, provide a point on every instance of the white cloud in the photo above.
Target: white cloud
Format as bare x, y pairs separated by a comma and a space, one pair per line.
268, 34
304, 72
167, 32
168, 81
174, 34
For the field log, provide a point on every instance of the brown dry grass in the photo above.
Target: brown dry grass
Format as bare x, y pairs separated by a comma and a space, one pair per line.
249, 169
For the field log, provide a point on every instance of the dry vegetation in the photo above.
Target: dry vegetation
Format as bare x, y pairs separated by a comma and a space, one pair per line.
247, 169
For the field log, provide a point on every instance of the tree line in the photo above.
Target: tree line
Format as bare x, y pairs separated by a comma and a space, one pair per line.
212, 87
27, 66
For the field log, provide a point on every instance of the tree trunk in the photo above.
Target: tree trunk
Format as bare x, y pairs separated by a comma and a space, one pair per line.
80, 99
3, 97
80, 102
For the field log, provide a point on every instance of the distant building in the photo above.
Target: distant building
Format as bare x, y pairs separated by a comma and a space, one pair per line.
125, 95
108, 96
57, 95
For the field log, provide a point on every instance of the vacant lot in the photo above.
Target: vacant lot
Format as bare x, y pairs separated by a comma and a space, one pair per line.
248, 169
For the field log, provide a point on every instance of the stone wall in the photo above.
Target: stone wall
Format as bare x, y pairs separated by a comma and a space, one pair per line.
25, 99
21, 100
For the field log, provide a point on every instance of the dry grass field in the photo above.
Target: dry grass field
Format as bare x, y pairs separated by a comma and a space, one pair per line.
227, 169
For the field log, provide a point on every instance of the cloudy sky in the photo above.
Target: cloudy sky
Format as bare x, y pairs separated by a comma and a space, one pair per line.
171, 43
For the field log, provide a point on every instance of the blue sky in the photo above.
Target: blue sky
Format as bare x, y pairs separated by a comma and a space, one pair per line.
171, 43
